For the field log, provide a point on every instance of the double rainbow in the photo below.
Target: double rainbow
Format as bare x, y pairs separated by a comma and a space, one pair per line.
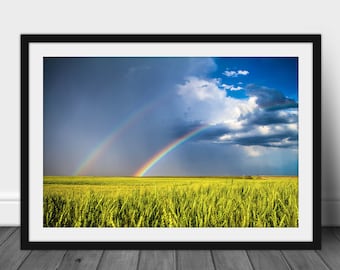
123, 127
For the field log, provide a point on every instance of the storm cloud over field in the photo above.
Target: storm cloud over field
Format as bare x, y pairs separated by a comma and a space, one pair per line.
182, 116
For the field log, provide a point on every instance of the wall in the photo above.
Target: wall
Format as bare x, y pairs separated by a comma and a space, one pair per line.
220, 17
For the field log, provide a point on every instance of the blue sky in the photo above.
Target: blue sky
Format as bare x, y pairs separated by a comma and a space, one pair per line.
132, 108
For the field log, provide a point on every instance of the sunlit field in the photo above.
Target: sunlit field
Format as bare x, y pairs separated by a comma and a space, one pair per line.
251, 201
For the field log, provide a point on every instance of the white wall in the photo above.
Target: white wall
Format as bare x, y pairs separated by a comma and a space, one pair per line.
220, 17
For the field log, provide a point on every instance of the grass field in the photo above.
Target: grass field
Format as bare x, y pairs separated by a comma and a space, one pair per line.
76, 201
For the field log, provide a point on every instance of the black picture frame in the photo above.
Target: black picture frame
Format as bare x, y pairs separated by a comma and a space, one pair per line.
27, 40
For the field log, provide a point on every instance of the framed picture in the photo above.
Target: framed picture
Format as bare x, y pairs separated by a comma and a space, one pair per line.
170, 141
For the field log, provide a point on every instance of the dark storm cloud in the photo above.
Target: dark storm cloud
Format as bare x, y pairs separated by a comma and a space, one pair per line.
246, 136
210, 134
264, 117
278, 133
287, 139
270, 99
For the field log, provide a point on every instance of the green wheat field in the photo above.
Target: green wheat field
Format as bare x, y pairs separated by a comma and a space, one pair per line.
251, 201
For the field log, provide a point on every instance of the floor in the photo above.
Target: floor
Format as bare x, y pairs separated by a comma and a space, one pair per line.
11, 257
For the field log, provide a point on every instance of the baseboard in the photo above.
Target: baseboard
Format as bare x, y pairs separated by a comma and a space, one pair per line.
10, 211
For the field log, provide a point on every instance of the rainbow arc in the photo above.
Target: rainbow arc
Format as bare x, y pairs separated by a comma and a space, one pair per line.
166, 150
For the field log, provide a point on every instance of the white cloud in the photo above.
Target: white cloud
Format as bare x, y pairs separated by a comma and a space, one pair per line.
226, 86
225, 137
234, 124
236, 88
235, 73
243, 72
203, 90
208, 102
264, 130
230, 73
231, 87
293, 127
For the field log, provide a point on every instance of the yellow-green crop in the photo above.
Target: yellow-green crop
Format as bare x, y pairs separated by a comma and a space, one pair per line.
170, 201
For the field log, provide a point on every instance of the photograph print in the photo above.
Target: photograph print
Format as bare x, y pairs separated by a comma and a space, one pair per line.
171, 142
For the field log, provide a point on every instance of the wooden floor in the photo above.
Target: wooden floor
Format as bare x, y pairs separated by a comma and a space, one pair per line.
11, 257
